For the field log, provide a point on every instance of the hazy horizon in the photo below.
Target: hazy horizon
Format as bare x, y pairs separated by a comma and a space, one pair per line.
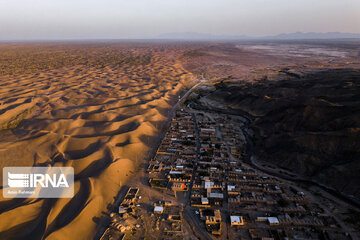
141, 19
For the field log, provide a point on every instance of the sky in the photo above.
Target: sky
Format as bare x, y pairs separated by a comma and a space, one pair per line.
118, 19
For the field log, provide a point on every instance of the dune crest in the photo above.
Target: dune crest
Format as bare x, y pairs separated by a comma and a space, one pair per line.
100, 120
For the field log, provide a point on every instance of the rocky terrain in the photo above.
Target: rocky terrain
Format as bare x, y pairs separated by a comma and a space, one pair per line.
308, 123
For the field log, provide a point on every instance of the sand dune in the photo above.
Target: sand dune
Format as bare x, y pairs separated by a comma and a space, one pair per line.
101, 121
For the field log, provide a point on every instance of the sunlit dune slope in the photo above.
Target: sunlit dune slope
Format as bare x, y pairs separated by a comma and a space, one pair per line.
100, 113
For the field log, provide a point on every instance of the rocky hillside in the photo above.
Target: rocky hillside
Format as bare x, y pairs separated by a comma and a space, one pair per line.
308, 124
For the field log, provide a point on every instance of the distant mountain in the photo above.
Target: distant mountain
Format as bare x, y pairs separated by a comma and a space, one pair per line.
314, 35
285, 36
199, 36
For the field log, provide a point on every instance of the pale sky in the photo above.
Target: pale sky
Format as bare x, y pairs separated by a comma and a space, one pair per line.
115, 19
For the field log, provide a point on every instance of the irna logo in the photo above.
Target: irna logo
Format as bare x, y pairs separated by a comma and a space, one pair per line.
33, 180
38, 182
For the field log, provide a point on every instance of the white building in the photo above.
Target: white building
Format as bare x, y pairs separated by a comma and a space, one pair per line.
158, 209
204, 201
237, 221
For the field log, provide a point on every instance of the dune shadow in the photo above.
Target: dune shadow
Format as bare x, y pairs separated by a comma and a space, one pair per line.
78, 154
122, 129
96, 167
33, 229
72, 209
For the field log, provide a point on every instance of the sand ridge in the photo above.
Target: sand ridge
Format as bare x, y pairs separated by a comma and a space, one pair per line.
101, 121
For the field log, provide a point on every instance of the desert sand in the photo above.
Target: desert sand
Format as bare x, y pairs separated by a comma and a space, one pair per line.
100, 119
102, 107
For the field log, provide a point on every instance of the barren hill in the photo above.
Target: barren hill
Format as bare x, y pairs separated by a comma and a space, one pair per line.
309, 125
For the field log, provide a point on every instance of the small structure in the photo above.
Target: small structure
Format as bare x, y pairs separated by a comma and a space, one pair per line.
237, 221
122, 210
204, 201
215, 195
131, 195
179, 186
208, 184
217, 215
159, 209
261, 219
273, 221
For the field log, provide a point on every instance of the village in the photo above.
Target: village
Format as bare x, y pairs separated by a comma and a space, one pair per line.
201, 188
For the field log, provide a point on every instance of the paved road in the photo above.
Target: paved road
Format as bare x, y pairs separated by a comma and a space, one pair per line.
103, 222
198, 230
253, 164
226, 197
188, 213
183, 98
196, 160
271, 172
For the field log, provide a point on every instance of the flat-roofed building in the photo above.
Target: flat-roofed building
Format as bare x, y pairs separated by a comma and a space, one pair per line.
273, 221
215, 195
237, 221
158, 209
204, 201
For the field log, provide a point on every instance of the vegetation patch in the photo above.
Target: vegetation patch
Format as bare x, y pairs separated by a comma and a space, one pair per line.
158, 183
16, 121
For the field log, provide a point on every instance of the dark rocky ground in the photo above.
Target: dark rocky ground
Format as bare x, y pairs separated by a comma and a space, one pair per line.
308, 124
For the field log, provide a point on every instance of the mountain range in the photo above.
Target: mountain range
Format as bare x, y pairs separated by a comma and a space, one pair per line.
284, 36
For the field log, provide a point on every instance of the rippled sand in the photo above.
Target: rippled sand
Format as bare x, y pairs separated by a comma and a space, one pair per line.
101, 121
